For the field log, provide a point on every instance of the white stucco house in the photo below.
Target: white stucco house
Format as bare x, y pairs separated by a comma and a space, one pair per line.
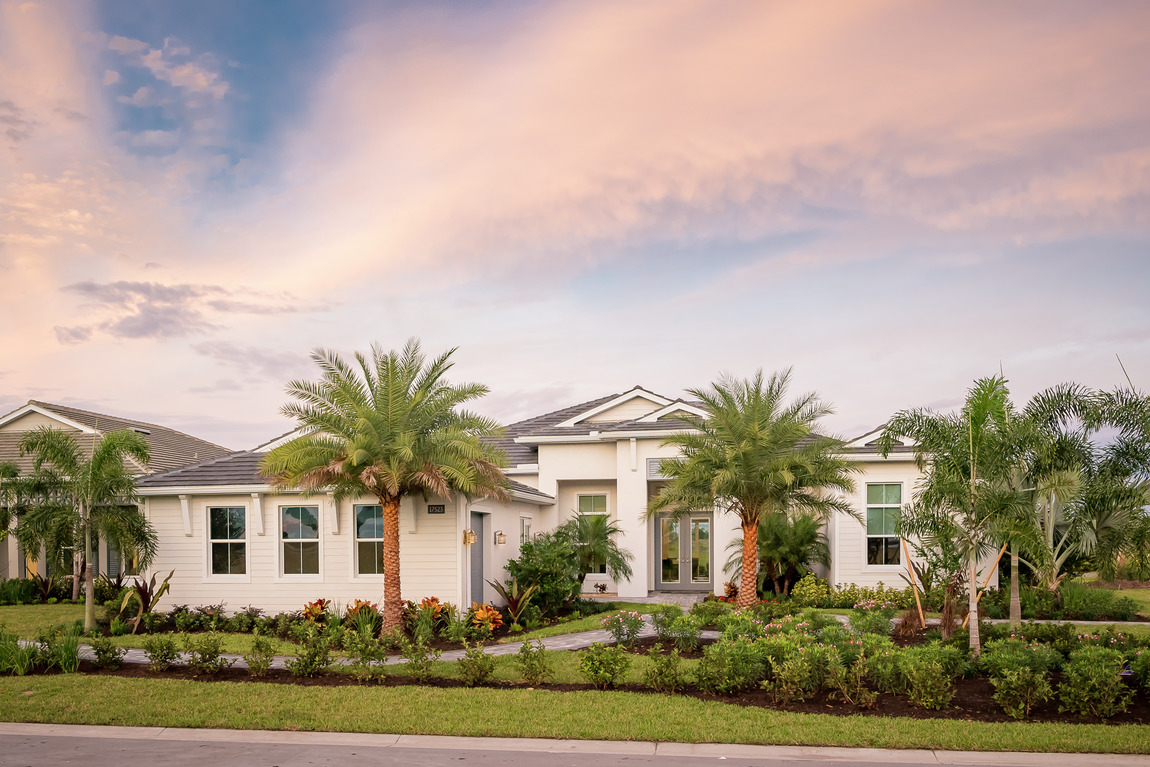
230, 538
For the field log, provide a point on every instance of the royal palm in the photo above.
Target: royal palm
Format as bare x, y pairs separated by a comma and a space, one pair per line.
388, 426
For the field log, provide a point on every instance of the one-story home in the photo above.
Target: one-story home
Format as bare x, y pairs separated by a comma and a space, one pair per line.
230, 538
169, 449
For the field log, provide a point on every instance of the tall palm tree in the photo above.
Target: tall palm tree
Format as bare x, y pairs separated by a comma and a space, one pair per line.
387, 427
84, 497
970, 462
755, 455
592, 537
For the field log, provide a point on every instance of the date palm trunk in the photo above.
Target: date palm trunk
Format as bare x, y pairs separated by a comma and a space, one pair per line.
1015, 600
392, 594
748, 583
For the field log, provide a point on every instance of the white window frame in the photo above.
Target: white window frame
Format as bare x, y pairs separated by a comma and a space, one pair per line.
355, 539
523, 518
866, 536
283, 577
246, 577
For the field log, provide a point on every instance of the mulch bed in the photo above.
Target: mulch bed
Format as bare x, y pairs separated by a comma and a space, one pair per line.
973, 698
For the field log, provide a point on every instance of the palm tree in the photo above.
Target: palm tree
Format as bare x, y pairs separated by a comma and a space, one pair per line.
755, 455
387, 427
787, 549
84, 497
8, 486
592, 536
970, 462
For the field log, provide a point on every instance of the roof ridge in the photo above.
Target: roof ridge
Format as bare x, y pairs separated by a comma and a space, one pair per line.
557, 411
53, 406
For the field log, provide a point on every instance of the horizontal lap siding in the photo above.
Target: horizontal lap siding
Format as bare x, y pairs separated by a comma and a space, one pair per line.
428, 556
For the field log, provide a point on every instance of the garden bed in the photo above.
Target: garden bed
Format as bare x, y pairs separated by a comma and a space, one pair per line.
973, 698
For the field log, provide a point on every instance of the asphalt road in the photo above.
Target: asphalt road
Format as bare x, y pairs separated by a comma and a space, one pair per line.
35, 745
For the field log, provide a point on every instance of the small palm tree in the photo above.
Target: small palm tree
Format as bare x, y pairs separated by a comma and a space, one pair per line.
387, 427
84, 497
787, 549
592, 537
755, 455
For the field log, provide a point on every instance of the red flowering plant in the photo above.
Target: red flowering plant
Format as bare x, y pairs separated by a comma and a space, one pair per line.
316, 611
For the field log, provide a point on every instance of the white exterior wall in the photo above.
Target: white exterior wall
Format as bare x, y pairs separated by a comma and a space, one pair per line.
500, 517
430, 554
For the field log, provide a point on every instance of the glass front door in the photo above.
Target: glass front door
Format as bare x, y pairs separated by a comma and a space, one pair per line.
684, 553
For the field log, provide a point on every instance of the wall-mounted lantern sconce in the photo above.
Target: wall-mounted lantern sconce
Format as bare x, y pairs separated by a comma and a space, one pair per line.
500, 538
469, 537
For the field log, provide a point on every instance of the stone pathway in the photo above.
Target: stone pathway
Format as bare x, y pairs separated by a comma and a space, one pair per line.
575, 641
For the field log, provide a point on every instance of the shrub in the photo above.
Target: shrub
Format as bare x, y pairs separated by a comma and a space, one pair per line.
885, 670
1017, 690
728, 667
153, 621
928, 684
364, 618
662, 617
810, 591
872, 616
817, 620
1092, 683
108, 655
118, 627
1140, 666
367, 654
624, 626
60, 648
161, 651
665, 672
1002, 655
419, 658
314, 655
849, 682
534, 664
476, 666
604, 667
259, 660
186, 621
709, 613
316, 611
204, 654
549, 562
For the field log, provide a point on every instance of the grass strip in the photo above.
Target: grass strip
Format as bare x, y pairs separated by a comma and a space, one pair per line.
586, 623
79, 699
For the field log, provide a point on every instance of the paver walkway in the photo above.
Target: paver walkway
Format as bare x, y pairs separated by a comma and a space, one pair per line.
574, 641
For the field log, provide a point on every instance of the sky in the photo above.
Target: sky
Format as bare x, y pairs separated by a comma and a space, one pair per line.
893, 198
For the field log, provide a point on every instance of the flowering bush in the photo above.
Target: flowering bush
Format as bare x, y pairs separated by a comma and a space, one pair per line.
872, 616
810, 591
316, 611
624, 626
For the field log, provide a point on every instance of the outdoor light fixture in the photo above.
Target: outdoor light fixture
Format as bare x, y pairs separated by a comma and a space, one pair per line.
469, 537
500, 538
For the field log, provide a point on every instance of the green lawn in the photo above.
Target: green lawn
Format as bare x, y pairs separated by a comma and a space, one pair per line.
588, 623
26, 620
78, 699
230, 643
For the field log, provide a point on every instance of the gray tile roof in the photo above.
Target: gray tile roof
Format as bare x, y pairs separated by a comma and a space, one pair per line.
239, 468
517, 454
169, 448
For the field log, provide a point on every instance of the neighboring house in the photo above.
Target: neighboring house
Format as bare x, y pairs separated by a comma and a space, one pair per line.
230, 538
169, 449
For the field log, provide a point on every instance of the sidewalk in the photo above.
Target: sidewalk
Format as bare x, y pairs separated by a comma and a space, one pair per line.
158, 740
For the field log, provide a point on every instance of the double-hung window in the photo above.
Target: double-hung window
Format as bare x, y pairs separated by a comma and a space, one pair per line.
299, 538
595, 508
227, 533
883, 503
524, 530
369, 539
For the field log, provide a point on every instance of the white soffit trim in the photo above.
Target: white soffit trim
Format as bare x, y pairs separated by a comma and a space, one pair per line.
531, 498
21, 412
635, 393
674, 407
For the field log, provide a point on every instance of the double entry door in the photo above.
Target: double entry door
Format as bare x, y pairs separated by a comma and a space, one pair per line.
684, 556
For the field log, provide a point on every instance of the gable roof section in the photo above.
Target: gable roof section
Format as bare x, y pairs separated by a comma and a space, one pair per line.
868, 443
169, 448
638, 392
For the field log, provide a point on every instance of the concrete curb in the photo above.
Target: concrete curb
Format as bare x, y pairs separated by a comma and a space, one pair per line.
825, 755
